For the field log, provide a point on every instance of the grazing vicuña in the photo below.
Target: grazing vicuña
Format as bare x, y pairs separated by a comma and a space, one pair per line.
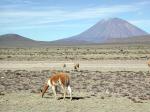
58, 78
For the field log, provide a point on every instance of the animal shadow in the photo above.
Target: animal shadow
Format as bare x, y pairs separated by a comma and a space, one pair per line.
50, 95
73, 98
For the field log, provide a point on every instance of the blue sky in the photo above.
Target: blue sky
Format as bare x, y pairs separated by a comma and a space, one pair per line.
48, 20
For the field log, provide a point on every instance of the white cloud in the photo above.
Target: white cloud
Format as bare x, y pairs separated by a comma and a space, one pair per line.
62, 15
34, 16
56, 26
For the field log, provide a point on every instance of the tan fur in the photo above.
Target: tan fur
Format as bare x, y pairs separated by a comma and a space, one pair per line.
148, 63
58, 78
44, 89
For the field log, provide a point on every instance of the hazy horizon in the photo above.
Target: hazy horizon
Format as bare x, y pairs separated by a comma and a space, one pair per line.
52, 20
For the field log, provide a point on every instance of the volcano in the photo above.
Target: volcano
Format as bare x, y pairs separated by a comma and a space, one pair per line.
106, 29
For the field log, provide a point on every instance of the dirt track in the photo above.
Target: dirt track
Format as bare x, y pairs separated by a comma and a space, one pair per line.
102, 65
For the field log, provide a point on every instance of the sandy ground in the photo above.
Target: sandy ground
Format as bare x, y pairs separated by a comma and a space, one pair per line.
25, 102
21, 100
103, 65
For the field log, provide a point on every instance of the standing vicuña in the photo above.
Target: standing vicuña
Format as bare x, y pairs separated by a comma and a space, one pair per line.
76, 66
63, 79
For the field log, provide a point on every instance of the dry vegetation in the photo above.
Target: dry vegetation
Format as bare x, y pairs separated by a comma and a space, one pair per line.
133, 85
93, 90
66, 53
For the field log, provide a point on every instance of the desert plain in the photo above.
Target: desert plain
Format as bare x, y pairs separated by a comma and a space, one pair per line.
111, 78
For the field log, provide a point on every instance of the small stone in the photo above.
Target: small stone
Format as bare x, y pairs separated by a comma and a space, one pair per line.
102, 97
2, 94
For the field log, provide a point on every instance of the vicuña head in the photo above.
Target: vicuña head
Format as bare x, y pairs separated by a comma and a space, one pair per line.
64, 65
60, 77
76, 66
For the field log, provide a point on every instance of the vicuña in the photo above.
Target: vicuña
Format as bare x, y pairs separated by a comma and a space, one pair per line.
76, 66
61, 79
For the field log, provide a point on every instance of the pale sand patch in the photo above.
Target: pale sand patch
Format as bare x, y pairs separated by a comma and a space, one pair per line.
29, 102
102, 65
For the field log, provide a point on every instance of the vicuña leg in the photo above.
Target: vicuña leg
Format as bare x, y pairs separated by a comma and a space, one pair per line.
70, 92
54, 91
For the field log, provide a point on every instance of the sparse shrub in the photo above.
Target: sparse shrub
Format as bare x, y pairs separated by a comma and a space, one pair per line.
8, 56
1, 58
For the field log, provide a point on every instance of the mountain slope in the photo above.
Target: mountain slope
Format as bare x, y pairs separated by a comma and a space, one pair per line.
14, 37
113, 30
15, 40
107, 29
137, 39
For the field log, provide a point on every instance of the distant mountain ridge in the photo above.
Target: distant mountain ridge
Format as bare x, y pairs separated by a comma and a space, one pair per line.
113, 30
25, 42
15, 40
107, 29
14, 37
